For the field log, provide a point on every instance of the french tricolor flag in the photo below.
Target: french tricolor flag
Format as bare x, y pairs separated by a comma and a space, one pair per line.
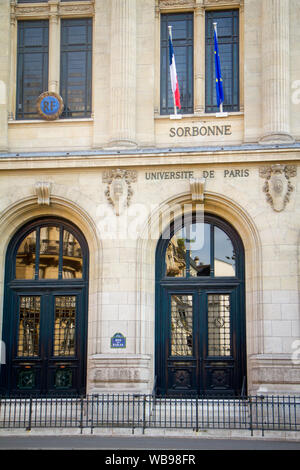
173, 73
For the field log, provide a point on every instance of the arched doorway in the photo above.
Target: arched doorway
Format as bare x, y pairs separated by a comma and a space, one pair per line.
200, 335
45, 310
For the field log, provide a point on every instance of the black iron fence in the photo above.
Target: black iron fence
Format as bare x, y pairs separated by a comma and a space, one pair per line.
263, 413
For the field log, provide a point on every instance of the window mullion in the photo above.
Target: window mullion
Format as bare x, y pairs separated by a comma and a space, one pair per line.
188, 251
212, 251
37, 257
54, 52
60, 256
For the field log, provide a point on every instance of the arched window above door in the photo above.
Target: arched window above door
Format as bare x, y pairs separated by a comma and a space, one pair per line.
201, 249
51, 250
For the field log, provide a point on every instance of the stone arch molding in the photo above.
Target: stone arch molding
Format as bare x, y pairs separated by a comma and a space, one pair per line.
20, 207
243, 222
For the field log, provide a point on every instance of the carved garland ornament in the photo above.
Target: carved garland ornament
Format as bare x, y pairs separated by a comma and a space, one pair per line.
22, 10
119, 190
176, 3
277, 185
164, 4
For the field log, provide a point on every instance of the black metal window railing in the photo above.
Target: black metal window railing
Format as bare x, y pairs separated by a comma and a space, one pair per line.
262, 413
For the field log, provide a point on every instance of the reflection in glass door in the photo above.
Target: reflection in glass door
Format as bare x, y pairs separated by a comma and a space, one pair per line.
200, 310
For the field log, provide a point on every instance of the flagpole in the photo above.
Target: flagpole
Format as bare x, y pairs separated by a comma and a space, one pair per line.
216, 31
175, 108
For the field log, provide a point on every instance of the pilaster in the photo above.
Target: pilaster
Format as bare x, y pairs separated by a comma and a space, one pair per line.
101, 78
199, 58
123, 73
275, 71
54, 55
4, 73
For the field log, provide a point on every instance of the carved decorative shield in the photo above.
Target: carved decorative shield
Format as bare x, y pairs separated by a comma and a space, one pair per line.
277, 185
119, 190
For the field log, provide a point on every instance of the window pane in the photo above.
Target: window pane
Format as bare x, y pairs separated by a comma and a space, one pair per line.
49, 252
76, 67
64, 326
219, 343
182, 38
224, 254
29, 327
228, 40
176, 255
72, 257
181, 325
32, 73
199, 250
25, 259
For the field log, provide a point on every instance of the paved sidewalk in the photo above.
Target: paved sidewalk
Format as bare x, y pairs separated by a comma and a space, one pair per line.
97, 442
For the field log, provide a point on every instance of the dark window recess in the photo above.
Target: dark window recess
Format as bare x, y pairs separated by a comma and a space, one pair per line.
182, 35
32, 68
228, 40
76, 67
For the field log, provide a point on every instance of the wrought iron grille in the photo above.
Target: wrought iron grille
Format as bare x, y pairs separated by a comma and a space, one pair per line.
64, 326
263, 413
181, 325
219, 325
29, 326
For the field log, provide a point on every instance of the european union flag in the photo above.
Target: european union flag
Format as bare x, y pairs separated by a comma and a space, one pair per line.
219, 82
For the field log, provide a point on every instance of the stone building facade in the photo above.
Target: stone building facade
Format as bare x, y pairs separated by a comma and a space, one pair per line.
120, 173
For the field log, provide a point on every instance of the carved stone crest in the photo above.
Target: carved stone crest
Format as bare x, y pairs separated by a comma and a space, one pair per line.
277, 185
119, 190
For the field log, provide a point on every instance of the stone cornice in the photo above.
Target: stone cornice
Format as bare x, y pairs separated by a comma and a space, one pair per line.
150, 157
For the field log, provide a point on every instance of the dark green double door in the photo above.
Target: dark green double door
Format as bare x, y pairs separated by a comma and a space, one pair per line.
46, 342
201, 341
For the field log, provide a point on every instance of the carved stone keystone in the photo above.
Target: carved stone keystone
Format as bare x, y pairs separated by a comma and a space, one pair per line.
197, 189
42, 190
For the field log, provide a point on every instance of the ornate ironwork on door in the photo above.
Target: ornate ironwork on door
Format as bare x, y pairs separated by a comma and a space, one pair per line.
45, 318
200, 311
